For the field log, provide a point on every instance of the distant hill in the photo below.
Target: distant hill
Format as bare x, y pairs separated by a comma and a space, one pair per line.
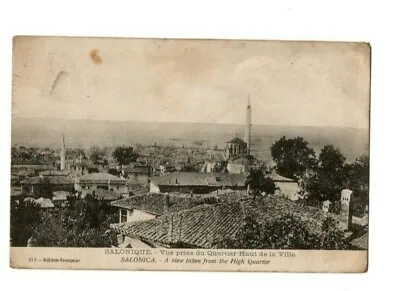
44, 132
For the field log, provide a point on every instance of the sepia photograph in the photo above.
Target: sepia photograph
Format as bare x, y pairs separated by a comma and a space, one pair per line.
237, 155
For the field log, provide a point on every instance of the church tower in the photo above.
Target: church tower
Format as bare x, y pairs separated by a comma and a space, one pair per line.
62, 155
247, 132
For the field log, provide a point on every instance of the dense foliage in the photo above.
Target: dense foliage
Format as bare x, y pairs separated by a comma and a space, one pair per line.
125, 155
286, 232
96, 155
84, 223
292, 156
24, 216
258, 183
44, 189
324, 177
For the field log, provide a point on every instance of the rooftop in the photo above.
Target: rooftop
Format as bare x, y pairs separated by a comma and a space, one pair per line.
157, 203
53, 173
200, 179
44, 202
202, 225
60, 195
360, 242
137, 170
35, 167
237, 140
108, 195
101, 177
60, 180
278, 178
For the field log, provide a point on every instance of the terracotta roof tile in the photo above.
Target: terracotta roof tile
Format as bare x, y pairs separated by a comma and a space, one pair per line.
157, 203
200, 226
60, 180
101, 177
200, 179
360, 242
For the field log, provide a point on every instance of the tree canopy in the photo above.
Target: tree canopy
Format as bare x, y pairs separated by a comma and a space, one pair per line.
258, 182
24, 216
44, 189
125, 155
285, 232
329, 177
96, 154
84, 223
324, 177
293, 156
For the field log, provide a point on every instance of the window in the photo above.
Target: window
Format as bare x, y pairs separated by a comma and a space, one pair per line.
124, 215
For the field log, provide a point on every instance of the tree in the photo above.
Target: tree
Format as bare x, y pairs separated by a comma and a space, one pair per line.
330, 176
44, 189
96, 154
125, 155
358, 176
292, 156
84, 223
23, 217
258, 182
285, 232
331, 159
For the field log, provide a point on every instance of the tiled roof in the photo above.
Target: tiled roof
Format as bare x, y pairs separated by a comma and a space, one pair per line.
35, 167
200, 179
24, 173
237, 140
82, 164
101, 178
202, 225
53, 173
15, 192
138, 189
198, 226
44, 202
60, 195
156, 203
360, 242
105, 194
278, 178
60, 180
137, 170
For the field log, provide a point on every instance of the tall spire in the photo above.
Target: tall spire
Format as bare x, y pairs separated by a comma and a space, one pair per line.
62, 155
247, 134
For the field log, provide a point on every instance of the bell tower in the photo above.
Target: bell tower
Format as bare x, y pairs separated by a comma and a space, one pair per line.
247, 132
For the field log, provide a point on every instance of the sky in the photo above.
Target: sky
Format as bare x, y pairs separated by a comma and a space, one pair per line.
288, 83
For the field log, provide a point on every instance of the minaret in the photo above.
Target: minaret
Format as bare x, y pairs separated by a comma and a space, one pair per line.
247, 132
62, 155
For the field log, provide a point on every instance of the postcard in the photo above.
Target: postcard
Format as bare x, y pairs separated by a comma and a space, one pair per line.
189, 154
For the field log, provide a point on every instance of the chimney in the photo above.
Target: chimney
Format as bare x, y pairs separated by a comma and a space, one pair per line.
120, 239
167, 203
345, 209
326, 205
170, 228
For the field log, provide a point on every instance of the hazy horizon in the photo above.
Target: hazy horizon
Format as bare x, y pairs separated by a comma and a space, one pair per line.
156, 80
81, 133
200, 122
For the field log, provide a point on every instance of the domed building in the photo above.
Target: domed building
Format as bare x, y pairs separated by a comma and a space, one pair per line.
238, 152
